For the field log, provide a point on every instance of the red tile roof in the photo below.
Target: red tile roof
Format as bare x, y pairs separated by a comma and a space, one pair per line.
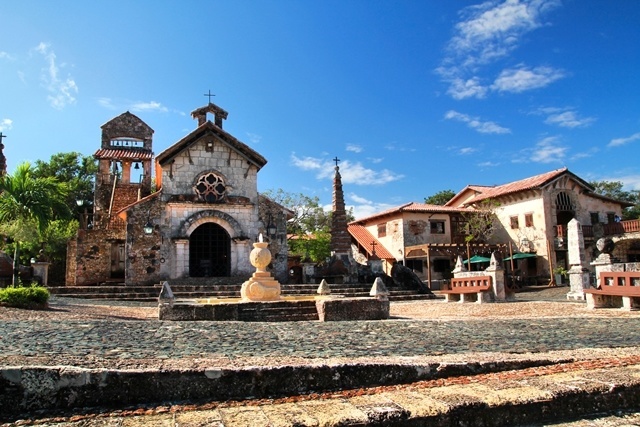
411, 207
530, 183
364, 238
123, 154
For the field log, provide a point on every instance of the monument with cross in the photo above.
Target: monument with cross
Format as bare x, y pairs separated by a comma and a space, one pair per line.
341, 267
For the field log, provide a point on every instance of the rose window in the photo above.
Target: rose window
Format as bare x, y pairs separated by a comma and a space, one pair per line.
210, 188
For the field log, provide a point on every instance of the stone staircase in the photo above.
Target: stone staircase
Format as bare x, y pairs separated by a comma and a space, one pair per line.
228, 287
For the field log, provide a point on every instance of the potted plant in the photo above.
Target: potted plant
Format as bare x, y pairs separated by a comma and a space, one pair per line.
560, 273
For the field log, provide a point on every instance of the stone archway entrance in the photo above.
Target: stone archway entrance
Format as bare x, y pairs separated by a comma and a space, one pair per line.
209, 251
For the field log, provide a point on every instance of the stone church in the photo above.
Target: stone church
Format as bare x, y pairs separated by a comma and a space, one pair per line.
196, 217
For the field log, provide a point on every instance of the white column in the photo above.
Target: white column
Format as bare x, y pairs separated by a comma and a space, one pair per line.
181, 263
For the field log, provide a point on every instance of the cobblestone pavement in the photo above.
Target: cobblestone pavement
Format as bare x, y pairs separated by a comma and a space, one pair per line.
143, 339
132, 343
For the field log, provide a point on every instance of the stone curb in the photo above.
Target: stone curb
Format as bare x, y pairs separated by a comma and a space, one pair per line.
59, 389
513, 398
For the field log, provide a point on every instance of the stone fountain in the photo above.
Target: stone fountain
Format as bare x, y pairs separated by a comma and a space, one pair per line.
260, 300
261, 286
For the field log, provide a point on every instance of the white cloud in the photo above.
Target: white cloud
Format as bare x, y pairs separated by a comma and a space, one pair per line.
354, 148
475, 123
393, 146
564, 117
569, 119
6, 124
106, 103
461, 89
622, 141
488, 164
467, 150
548, 151
363, 207
254, 138
148, 106
375, 160
485, 34
62, 91
6, 55
351, 173
306, 163
517, 80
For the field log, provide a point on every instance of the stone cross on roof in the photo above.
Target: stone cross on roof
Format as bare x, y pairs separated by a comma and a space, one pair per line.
218, 113
3, 159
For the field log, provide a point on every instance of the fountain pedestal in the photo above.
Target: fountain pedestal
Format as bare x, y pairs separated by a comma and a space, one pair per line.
261, 286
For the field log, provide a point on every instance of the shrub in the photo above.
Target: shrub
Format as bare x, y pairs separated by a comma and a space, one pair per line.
25, 296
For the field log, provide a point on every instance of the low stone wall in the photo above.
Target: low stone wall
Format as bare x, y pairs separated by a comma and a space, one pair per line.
59, 389
353, 309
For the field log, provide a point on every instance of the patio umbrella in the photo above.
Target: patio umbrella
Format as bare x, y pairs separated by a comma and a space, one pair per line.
520, 255
477, 258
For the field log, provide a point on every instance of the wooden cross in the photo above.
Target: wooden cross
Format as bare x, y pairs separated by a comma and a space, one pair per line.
336, 160
209, 95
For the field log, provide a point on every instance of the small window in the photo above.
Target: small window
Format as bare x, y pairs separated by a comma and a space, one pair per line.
441, 265
414, 264
528, 220
437, 227
382, 229
611, 217
514, 223
595, 218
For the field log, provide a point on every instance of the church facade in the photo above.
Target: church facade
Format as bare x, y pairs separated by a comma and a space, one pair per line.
199, 222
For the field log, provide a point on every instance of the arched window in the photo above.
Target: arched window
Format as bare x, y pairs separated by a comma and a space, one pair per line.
211, 188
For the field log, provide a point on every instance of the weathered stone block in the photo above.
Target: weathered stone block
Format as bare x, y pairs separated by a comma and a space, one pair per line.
352, 309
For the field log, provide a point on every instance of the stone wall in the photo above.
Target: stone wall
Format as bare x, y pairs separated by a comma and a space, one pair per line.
240, 176
93, 256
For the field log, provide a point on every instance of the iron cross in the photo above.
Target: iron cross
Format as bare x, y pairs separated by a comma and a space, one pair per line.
337, 160
1, 137
209, 95
373, 245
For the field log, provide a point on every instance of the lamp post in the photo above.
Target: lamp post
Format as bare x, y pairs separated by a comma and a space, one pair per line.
271, 228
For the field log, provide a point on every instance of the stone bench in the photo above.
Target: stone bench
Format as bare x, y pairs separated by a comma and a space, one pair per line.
469, 289
616, 289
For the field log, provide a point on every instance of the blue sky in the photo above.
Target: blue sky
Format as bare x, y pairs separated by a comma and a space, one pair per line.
413, 96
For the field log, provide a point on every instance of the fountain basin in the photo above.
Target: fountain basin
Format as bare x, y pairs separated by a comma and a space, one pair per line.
287, 308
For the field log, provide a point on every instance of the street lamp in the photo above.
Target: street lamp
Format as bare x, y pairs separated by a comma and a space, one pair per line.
271, 228
148, 227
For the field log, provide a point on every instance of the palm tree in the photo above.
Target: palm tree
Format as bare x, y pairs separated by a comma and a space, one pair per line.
27, 205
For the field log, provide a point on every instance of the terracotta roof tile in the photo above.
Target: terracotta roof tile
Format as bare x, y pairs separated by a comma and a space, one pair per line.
516, 186
123, 154
364, 238
412, 207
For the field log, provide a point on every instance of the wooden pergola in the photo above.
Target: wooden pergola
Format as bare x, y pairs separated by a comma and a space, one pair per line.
454, 249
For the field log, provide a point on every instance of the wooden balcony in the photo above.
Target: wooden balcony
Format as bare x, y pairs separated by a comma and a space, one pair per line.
622, 227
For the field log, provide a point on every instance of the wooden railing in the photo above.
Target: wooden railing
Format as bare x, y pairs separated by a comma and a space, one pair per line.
470, 284
622, 283
629, 226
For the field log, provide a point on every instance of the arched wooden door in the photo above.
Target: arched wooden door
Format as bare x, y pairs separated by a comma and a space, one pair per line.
209, 251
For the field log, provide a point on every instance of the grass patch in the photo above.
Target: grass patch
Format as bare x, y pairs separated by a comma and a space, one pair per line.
32, 297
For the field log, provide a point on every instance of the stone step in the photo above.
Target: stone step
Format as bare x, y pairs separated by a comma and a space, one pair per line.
277, 312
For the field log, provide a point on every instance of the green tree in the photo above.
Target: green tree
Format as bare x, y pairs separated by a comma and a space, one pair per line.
76, 171
28, 205
309, 230
482, 222
614, 190
440, 198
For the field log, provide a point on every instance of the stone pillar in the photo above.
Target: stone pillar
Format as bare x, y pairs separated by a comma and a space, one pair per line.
496, 271
181, 260
578, 272
41, 270
459, 266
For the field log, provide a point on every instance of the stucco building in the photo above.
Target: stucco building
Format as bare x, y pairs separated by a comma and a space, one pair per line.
532, 216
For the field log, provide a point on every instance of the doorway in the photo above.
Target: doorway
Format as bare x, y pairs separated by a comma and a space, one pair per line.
117, 260
209, 251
